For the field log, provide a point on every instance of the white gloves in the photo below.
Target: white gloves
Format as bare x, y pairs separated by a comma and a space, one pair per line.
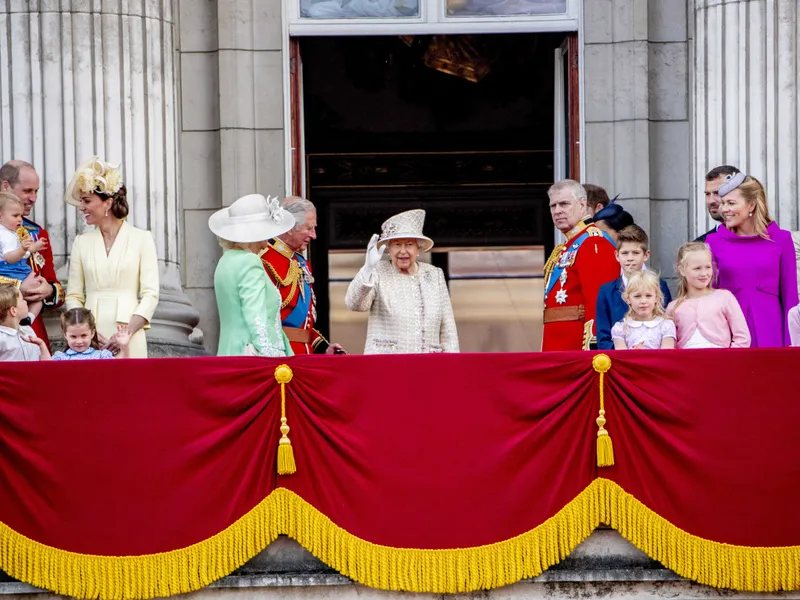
373, 257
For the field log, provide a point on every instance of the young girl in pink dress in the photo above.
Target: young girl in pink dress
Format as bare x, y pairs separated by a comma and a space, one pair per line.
705, 317
644, 327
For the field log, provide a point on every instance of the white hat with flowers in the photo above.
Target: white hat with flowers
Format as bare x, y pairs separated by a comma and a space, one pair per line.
252, 218
406, 225
95, 176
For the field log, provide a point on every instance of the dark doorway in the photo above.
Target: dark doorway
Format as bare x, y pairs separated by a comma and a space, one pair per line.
461, 126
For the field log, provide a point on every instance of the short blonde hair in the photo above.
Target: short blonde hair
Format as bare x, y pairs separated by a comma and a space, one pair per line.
9, 294
644, 280
7, 198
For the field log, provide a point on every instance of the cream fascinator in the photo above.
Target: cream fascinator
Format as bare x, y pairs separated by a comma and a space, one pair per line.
93, 176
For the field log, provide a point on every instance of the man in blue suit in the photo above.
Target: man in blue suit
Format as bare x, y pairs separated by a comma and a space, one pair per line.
632, 253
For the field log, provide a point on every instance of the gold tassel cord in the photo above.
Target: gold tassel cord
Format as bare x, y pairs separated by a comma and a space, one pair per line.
605, 449
449, 571
286, 464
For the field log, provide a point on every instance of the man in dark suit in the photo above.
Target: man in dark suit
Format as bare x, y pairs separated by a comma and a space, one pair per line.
714, 179
632, 253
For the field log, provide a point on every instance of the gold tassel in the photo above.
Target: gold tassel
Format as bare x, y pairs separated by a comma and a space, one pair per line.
286, 464
605, 449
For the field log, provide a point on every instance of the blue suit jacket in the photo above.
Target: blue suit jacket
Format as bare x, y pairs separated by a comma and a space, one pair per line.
612, 308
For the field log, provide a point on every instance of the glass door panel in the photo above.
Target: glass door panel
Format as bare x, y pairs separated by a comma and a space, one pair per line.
473, 8
359, 9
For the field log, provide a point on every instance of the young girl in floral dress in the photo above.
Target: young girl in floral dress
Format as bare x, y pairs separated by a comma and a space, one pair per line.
645, 326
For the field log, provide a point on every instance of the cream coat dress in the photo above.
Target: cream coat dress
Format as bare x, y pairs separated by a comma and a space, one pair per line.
408, 314
117, 286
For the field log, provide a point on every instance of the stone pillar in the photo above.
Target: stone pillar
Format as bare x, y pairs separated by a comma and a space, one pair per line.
232, 136
745, 98
98, 77
637, 134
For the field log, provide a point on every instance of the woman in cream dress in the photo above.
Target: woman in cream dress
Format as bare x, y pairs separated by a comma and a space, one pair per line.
408, 302
113, 269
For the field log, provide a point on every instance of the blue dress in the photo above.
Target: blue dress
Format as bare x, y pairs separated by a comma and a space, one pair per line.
90, 354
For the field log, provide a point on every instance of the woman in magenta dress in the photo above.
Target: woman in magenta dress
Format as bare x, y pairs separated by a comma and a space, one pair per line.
756, 260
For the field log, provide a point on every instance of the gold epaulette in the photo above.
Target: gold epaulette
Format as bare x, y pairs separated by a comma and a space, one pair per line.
15, 282
593, 230
23, 234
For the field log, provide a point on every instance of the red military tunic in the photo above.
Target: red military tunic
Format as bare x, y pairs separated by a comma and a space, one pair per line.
291, 274
573, 276
42, 265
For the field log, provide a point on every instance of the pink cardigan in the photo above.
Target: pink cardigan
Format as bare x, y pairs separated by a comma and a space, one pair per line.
718, 316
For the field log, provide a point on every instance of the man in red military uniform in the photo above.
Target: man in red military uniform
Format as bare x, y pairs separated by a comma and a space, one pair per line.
574, 272
20, 178
291, 274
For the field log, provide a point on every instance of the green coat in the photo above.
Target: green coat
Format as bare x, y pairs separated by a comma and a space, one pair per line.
249, 307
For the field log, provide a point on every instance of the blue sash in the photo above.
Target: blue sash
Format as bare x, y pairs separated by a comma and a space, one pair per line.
297, 318
568, 258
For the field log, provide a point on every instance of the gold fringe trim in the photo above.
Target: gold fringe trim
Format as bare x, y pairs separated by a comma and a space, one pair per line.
743, 568
401, 569
145, 576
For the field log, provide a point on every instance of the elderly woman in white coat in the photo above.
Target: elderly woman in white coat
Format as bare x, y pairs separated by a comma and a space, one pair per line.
408, 302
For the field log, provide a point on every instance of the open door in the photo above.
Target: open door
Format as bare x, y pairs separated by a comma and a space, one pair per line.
296, 117
567, 120
479, 167
567, 111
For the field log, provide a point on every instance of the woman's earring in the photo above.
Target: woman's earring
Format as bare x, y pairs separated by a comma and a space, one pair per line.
748, 214
107, 212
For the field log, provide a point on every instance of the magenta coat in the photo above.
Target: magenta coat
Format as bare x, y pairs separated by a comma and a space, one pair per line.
762, 274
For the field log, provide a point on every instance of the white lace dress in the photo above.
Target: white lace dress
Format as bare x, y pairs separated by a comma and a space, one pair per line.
408, 314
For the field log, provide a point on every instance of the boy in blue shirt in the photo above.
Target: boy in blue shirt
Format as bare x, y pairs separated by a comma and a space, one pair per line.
632, 253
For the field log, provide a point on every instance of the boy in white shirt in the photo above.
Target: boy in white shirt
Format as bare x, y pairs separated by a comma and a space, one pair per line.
14, 253
15, 339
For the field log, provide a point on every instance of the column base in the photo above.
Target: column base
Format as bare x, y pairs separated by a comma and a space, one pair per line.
173, 329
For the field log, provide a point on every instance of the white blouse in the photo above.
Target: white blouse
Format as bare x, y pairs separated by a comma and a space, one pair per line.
12, 348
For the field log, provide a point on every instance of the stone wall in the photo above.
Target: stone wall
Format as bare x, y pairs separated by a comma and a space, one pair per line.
745, 90
231, 127
637, 134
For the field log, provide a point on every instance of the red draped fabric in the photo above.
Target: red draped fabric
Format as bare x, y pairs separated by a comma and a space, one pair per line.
135, 456
452, 445
438, 452
709, 440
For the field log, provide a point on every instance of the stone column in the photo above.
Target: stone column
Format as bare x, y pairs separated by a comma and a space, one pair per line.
98, 77
232, 134
745, 98
637, 134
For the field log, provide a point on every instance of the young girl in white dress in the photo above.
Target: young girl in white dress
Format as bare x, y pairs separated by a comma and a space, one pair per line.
645, 326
